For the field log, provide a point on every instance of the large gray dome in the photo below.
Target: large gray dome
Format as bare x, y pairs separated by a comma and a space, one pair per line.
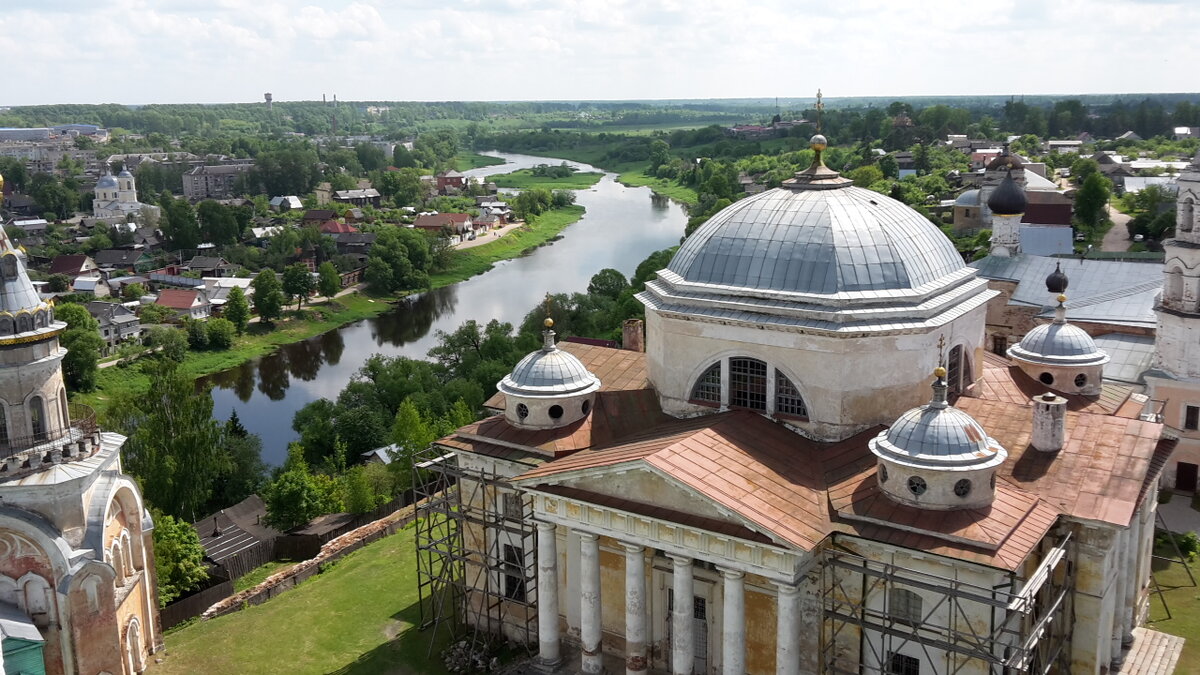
107, 182
1058, 344
817, 241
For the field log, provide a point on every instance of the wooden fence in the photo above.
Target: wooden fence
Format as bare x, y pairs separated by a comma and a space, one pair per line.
193, 605
247, 560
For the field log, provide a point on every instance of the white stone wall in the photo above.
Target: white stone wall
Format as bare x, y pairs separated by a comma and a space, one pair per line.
848, 382
41, 376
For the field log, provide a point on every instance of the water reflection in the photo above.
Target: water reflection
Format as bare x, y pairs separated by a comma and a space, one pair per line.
621, 227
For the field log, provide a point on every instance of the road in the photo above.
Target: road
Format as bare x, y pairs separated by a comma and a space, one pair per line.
489, 237
1117, 237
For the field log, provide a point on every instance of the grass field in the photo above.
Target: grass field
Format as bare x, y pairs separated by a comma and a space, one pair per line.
356, 618
525, 180
469, 160
259, 575
469, 262
258, 340
1183, 600
662, 186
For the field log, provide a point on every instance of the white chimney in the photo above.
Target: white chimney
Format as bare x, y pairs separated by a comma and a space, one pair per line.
1049, 422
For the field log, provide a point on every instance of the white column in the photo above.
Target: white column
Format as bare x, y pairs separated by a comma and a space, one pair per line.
733, 642
1118, 590
547, 594
683, 639
1132, 584
787, 632
635, 609
589, 601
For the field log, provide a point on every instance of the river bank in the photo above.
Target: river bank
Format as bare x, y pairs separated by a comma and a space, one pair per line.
323, 316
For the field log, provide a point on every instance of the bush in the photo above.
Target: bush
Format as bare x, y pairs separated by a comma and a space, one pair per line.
197, 335
220, 334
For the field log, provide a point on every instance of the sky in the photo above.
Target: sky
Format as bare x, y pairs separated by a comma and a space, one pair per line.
216, 51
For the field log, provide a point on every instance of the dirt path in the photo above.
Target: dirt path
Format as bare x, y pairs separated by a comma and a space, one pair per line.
1117, 237
489, 237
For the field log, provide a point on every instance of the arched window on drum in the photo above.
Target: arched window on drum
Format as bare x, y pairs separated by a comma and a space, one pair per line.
707, 389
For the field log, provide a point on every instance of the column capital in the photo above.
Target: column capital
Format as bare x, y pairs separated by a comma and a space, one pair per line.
680, 560
633, 548
543, 526
786, 589
730, 573
588, 536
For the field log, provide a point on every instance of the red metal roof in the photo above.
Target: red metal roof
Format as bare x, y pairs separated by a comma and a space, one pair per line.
176, 298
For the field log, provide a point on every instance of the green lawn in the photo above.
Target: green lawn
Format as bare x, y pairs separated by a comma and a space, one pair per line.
469, 160
1183, 599
525, 180
259, 340
662, 186
468, 262
356, 618
259, 575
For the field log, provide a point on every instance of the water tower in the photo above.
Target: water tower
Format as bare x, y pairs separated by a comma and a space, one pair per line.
267, 97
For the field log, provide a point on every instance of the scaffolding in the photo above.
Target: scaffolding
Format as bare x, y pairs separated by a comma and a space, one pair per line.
476, 557
868, 625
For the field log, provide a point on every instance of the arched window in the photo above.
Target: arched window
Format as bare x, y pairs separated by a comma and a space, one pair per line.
133, 647
1187, 215
66, 410
127, 548
7, 325
3, 424
91, 590
37, 599
958, 371
24, 323
117, 560
708, 386
787, 397
905, 606
37, 418
748, 384
1173, 291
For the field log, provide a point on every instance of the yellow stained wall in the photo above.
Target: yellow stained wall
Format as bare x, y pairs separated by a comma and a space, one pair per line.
761, 629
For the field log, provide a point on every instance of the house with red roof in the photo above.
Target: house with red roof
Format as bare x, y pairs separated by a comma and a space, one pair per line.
192, 304
335, 227
458, 227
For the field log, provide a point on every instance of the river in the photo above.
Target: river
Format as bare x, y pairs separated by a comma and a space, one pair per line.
621, 227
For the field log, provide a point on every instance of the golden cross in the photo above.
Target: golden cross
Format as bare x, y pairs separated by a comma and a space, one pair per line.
820, 107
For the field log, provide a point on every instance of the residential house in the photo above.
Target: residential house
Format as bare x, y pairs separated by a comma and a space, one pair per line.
186, 303
31, 225
148, 238
335, 227
94, 284
317, 216
72, 265
1069, 147
128, 259
285, 204
117, 323
117, 284
496, 208
355, 244
1129, 136
262, 235
217, 289
355, 216
210, 266
360, 197
213, 182
450, 182
458, 227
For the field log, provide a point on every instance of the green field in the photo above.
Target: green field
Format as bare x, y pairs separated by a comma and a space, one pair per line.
469, 160
662, 186
525, 180
356, 618
468, 262
1183, 600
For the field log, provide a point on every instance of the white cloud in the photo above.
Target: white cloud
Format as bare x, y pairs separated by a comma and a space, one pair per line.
136, 51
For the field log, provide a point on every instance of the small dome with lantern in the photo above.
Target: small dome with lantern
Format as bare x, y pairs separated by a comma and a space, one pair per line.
1060, 355
24, 316
937, 457
549, 388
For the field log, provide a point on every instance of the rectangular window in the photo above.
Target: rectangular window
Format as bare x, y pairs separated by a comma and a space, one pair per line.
514, 573
1191, 417
899, 664
513, 507
748, 384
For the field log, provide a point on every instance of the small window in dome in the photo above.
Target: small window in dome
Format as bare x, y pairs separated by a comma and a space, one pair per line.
522, 411
883, 474
787, 398
1046, 379
1080, 380
587, 406
556, 411
962, 488
917, 486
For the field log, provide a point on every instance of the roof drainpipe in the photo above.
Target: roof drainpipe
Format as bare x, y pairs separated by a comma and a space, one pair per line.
1049, 422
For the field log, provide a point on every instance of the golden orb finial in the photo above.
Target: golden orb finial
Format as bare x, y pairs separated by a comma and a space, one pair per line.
939, 372
1062, 298
548, 323
818, 143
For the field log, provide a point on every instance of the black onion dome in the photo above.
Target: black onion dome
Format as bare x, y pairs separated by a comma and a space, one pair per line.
1008, 199
1056, 283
